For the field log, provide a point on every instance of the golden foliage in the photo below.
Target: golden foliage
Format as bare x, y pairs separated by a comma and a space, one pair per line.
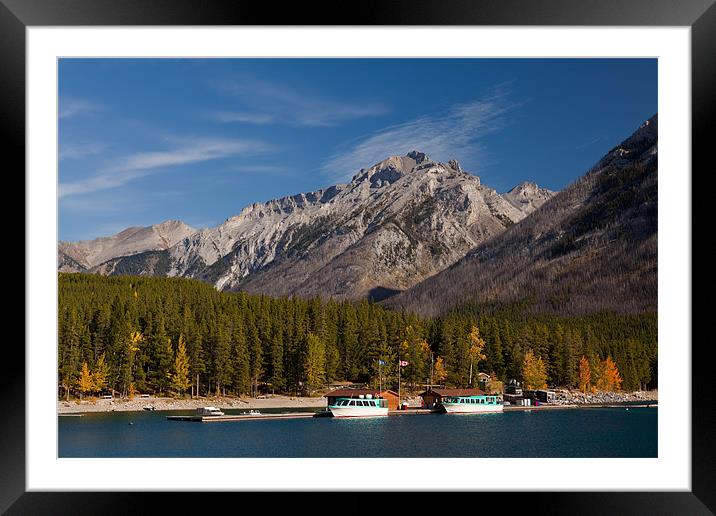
585, 375
134, 339
477, 344
610, 379
439, 373
534, 371
84, 382
180, 375
100, 374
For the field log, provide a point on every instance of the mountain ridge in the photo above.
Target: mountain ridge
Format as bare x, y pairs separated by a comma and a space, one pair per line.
591, 247
394, 224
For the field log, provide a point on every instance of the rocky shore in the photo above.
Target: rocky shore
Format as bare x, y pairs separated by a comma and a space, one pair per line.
564, 397
138, 404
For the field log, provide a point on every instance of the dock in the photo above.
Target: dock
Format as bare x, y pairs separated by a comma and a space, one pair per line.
242, 417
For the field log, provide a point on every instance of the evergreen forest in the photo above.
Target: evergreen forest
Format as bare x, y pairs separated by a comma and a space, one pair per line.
171, 336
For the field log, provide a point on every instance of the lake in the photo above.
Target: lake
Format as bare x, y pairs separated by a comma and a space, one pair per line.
588, 432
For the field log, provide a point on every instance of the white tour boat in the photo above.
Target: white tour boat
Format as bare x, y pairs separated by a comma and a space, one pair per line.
209, 411
472, 404
362, 406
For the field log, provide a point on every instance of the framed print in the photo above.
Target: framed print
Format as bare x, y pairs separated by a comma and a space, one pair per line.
453, 246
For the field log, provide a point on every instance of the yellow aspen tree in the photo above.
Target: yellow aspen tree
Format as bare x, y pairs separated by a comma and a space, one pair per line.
477, 344
439, 372
534, 372
84, 382
180, 375
100, 374
585, 375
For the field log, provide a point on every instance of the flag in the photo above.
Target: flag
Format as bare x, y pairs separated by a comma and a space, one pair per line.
403, 363
380, 362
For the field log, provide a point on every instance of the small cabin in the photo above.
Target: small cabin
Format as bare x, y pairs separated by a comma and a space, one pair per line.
432, 398
390, 396
483, 379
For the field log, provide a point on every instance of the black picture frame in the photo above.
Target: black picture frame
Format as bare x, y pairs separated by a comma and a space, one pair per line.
700, 15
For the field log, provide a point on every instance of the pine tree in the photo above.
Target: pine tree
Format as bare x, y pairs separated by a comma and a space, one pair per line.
221, 356
315, 363
348, 341
256, 356
277, 376
240, 355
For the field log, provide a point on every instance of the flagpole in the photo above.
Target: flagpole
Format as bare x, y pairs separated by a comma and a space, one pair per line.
399, 368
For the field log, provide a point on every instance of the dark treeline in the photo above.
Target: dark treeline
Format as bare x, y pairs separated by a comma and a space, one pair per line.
167, 335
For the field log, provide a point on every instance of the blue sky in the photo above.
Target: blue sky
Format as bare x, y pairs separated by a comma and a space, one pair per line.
146, 140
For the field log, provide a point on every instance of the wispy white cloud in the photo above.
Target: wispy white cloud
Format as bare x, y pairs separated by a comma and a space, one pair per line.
277, 104
83, 150
143, 164
244, 117
72, 107
455, 134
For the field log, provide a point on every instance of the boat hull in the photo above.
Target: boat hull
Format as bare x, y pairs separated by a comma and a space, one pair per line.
358, 411
470, 408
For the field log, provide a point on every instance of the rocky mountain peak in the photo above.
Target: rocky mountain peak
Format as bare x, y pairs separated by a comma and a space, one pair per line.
528, 194
418, 156
385, 172
455, 165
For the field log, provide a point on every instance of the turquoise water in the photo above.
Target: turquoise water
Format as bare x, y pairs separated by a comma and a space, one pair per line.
593, 432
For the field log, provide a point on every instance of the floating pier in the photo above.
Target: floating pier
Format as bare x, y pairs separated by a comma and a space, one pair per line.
241, 417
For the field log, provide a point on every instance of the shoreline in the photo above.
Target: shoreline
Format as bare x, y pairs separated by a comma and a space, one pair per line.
160, 403
293, 402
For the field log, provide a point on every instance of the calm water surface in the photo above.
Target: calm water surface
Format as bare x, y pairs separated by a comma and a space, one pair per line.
595, 432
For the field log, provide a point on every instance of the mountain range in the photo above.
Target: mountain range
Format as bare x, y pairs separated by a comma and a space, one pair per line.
395, 224
426, 237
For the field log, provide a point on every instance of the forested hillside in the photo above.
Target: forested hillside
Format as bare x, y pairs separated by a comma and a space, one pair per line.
590, 248
160, 335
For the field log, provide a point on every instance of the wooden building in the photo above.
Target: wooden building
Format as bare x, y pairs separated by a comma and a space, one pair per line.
483, 379
433, 397
390, 396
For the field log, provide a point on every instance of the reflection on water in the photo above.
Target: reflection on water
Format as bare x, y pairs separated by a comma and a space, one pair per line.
604, 432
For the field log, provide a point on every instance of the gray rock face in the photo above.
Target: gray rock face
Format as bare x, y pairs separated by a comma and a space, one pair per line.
396, 223
80, 256
527, 195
